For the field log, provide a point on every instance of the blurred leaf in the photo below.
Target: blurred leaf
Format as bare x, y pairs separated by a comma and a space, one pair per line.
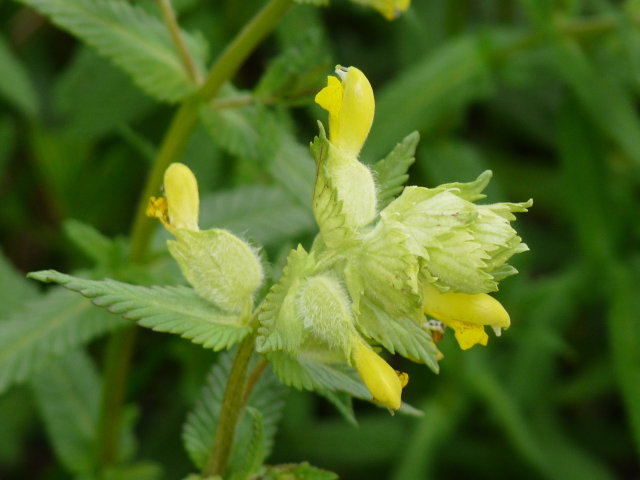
67, 393
297, 471
266, 214
176, 310
16, 87
241, 126
46, 328
134, 40
343, 403
142, 470
253, 455
294, 169
608, 104
585, 186
112, 101
296, 74
95, 245
200, 427
16, 289
391, 174
624, 338
18, 416
442, 84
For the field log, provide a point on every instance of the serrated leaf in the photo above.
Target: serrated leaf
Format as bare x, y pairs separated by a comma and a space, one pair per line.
200, 428
46, 328
16, 87
280, 329
134, 40
398, 334
264, 213
246, 129
254, 453
297, 471
307, 374
16, 289
176, 310
343, 403
391, 174
327, 208
67, 393
296, 74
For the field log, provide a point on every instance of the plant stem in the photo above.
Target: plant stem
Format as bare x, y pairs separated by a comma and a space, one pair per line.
120, 346
186, 118
170, 20
117, 361
230, 410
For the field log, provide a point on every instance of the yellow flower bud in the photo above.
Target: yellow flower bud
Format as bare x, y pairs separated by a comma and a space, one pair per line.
390, 9
382, 381
351, 106
179, 208
466, 314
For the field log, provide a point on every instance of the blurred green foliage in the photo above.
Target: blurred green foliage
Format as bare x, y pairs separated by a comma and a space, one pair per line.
544, 93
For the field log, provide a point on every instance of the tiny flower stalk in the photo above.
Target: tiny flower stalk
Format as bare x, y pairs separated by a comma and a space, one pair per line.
466, 314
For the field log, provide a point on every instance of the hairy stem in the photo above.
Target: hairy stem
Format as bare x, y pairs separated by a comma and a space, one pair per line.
230, 410
170, 20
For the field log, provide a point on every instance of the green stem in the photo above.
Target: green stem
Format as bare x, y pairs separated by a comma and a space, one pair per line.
230, 410
185, 120
117, 361
170, 20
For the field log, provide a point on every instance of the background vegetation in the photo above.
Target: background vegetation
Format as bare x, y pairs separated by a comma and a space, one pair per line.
544, 93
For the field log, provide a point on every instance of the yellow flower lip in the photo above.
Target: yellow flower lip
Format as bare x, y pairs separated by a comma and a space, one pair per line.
466, 314
180, 206
382, 381
351, 106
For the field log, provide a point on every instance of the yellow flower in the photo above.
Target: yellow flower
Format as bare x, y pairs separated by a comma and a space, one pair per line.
382, 381
351, 106
390, 9
466, 314
179, 207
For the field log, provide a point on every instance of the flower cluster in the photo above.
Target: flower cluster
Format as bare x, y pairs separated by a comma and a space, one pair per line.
382, 273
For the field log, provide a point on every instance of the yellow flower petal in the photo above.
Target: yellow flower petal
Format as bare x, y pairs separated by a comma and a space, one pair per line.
380, 379
181, 190
466, 314
351, 107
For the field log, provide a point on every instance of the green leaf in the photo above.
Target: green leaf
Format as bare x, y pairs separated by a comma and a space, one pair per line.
391, 174
16, 87
240, 126
254, 453
609, 105
327, 208
67, 393
200, 428
88, 113
94, 244
264, 213
16, 289
297, 471
293, 168
176, 310
297, 73
134, 40
307, 374
444, 82
624, 333
47, 327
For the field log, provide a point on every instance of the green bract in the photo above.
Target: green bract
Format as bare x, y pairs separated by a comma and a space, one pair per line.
221, 268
